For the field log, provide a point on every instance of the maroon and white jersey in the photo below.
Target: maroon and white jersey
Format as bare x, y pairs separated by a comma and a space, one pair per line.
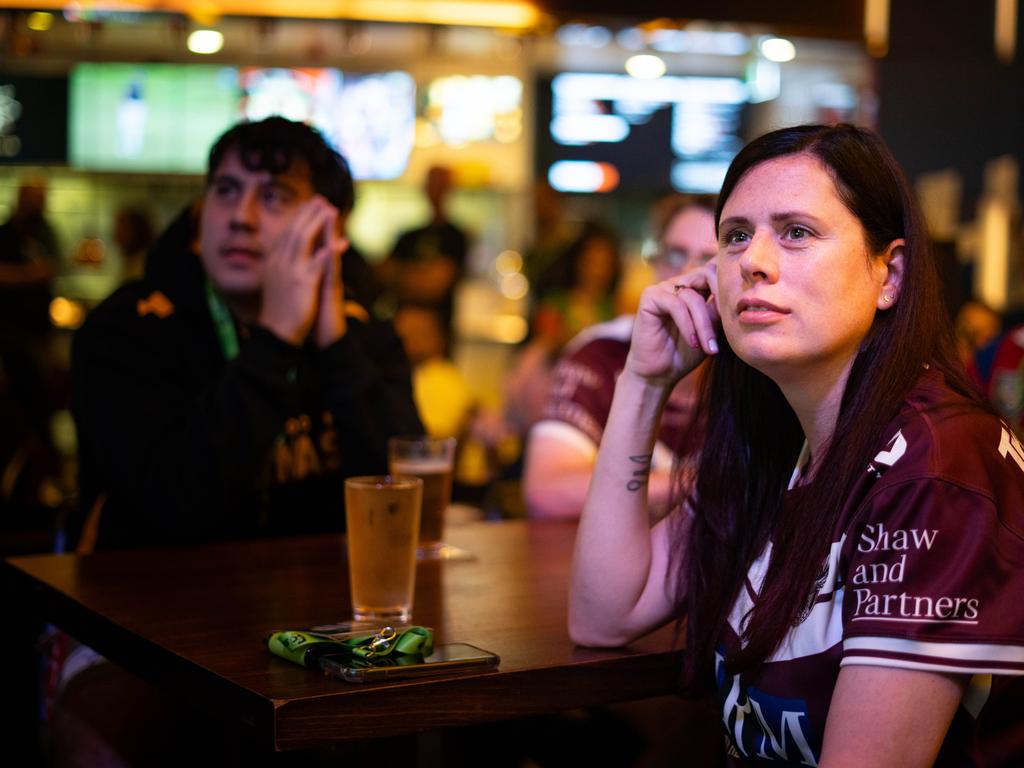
925, 572
583, 384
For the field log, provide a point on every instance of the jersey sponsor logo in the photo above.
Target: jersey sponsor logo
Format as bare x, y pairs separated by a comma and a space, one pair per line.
764, 726
872, 582
877, 538
1010, 446
893, 452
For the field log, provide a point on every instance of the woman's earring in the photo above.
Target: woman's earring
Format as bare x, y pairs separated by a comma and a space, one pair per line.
887, 299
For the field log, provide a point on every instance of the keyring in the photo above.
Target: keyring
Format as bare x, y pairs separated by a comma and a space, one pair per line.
382, 640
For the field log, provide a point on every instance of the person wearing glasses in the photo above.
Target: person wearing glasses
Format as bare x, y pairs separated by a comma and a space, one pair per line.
562, 447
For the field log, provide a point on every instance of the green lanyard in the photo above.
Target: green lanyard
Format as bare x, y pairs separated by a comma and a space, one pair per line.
223, 323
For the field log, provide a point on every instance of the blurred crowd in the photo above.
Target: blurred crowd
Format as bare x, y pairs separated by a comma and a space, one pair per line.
577, 297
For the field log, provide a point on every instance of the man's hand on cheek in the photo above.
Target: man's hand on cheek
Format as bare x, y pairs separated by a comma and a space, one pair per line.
294, 271
331, 323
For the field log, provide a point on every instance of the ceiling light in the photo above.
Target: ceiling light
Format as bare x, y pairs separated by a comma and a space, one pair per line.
876, 26
778, 49
205, 41
503, 14
645, 66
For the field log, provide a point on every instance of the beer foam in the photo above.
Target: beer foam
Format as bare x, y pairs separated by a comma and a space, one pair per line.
420, 467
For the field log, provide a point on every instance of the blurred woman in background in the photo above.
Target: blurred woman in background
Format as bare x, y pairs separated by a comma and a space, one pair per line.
594, 265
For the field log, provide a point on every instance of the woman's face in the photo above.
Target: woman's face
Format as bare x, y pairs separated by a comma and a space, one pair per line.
797, 287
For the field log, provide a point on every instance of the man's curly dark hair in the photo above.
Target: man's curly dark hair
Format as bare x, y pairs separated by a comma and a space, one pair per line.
275, 143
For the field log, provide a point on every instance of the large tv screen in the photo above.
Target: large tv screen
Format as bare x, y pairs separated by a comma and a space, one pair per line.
33, 119
164, 117
604, 132
149, 117
369, 118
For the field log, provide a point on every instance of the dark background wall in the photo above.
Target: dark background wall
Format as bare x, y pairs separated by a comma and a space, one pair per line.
945, 100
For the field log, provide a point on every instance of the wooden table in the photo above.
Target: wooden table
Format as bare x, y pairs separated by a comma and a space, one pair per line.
192, 621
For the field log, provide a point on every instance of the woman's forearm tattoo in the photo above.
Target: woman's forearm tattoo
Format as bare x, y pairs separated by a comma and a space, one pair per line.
640, 473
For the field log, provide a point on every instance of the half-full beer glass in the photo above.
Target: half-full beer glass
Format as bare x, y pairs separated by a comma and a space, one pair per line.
383, 518
432, 460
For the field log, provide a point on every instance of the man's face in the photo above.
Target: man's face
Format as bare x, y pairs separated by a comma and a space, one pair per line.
244, 214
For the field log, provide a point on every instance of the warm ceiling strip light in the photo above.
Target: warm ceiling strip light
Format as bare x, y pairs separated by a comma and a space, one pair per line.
876, 27
512, 14
1006, 30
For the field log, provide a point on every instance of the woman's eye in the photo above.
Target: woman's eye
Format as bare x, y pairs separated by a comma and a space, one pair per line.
798, 233
737, 237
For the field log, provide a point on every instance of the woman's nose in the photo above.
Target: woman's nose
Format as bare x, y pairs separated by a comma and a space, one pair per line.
759, 260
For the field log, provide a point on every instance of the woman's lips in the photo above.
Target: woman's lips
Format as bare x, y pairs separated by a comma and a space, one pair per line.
759, 312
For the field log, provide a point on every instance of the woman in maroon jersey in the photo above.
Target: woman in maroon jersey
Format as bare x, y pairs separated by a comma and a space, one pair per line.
851, 558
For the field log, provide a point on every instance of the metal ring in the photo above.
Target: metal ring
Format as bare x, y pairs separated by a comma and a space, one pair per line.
678, 287
382, 640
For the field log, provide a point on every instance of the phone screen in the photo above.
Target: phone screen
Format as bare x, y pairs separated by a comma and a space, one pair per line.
451, 657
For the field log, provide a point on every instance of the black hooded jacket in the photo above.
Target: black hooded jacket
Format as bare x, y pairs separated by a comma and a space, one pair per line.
179, 445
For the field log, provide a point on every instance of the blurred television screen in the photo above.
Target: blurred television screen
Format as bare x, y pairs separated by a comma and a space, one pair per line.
462, 109
163, 118
605, 132
33, 119
369, 118
158, 118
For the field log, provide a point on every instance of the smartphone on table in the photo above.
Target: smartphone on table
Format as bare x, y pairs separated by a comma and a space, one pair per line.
451, 657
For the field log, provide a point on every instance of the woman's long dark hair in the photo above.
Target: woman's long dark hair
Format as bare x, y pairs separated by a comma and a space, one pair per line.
751, 437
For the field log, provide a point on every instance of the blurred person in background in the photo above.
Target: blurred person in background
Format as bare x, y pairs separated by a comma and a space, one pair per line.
29, 256
562, 447
545, 263
594, 263
427, 263
442, 395
134, 234
225, 395
976, 326
1000, 367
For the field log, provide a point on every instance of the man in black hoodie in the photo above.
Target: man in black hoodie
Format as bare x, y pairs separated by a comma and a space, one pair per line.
227, 393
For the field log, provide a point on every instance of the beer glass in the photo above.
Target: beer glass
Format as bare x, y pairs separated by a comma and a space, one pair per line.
432, 460
383, 519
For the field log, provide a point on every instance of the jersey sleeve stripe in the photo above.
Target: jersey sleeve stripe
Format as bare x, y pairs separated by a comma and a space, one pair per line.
932, 665
976, 657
